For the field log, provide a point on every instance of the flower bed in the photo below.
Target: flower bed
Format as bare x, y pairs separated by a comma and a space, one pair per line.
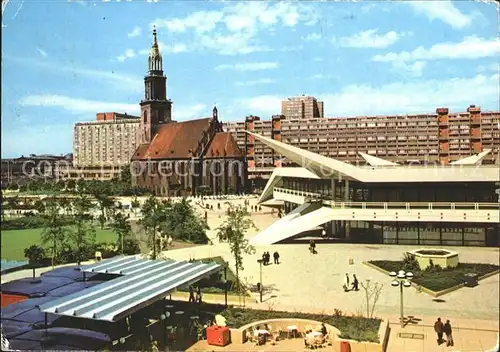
351, 327
438, 279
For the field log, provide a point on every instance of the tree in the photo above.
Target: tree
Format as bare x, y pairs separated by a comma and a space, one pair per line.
122, 228
35, 255
184, 223
372, 293
153, 215
83, 234
70, 184
135, 204
105, 203
233, 231
126, 176
54, 232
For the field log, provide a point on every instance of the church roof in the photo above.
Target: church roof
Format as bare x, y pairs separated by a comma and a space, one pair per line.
174, 140
223, 145
178, 140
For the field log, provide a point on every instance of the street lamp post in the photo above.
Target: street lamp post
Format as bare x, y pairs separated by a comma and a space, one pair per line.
401, 279
260, 288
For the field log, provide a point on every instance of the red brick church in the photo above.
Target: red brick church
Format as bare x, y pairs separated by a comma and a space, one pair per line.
182, 158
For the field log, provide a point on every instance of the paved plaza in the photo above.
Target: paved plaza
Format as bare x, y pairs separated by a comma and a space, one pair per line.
313, 283
306, 281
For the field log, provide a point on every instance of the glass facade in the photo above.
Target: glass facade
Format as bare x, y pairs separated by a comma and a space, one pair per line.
406, 233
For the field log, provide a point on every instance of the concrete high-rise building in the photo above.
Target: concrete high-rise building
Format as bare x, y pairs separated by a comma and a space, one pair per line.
303, 107
441, 137
102, 147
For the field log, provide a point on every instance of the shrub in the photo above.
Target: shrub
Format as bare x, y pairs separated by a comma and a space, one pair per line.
131, 246
351, 327
35, 254
410, 263
29, 222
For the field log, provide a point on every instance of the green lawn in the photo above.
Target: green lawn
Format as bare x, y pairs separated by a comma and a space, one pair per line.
15, 241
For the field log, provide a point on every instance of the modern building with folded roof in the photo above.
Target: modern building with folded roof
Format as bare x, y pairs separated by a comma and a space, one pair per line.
181, 158
383, 201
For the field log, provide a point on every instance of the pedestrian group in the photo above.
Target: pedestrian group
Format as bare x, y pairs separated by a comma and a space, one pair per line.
441, 329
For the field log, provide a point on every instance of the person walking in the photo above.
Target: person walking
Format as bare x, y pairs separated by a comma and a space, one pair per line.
438, 328
191, 294
264, 257
447, 330
346, 282
276, 257
268, 258
198, 295
355, 283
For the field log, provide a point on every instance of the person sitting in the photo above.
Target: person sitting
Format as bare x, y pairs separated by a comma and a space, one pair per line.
323, 329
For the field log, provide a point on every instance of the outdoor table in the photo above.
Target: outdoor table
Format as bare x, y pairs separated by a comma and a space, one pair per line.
256, 333
314, 338
169, 306
179, 312
194, 317
292, 330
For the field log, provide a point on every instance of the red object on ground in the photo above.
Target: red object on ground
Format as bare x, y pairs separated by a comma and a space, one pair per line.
345, 346
218, 335
7, 300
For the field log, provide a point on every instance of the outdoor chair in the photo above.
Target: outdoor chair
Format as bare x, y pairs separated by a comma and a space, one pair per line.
261, 340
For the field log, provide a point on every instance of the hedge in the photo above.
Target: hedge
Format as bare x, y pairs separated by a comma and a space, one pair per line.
351, 327
31, 222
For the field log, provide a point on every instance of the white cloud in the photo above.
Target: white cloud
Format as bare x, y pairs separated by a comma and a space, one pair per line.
256, 82
135, 32
128, 54
236, 27
201, 21
369, 39
318, 59
409, 70
312, 37
471, 47
180, 113
422, 96
262, 105
248, 66
77, 105
177, 48
117, 80
495, 67
318, 76
413, 97
42, 52
443, 10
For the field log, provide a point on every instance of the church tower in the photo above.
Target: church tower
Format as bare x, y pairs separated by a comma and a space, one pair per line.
156, 109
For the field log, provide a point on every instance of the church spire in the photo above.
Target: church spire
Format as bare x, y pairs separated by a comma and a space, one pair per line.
155, 60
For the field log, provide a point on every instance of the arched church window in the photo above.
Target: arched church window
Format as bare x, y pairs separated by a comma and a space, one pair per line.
145, 117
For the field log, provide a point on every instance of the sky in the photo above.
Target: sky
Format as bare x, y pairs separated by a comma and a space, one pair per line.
64, 61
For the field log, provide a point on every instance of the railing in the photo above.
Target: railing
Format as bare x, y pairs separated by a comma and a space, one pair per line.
392, 205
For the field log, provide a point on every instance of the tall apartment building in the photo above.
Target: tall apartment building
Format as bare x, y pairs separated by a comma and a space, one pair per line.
441, 137
303, 107
102, 147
